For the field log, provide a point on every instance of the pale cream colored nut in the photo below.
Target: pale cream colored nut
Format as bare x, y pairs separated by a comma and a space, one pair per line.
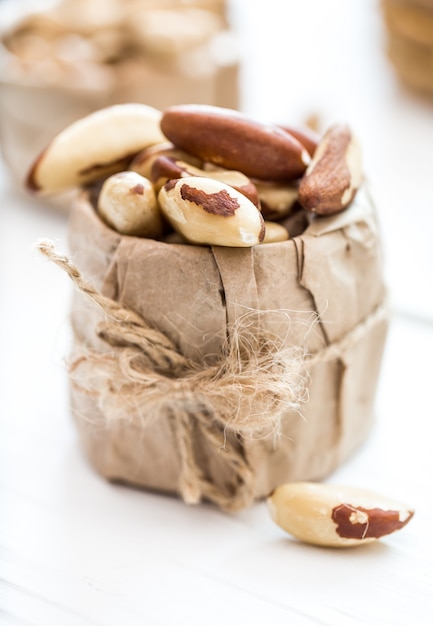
166, 168
95, 146
228, 138
143, 162
335, 516
276, 199
127, 202
275, 232
235, 179
208, 212
334, 175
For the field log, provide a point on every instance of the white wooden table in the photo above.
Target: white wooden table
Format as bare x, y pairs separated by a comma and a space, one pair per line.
77, 551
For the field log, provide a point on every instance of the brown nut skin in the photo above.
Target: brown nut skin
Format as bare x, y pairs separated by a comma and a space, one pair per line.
165, 168
208, 212
144, 160
334, 175
306, 136
334, 515
227, 138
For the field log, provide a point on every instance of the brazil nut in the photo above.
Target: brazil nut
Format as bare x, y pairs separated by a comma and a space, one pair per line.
228, 138
334, 175
144, 160
127, 203
94, 147
165, 168
336, 516
208, 212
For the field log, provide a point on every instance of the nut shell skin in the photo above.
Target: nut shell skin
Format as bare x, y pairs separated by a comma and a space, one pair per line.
334, 175
166, 168
336, 516
207, 212
307, 137
144, 160
94, 147
227, 138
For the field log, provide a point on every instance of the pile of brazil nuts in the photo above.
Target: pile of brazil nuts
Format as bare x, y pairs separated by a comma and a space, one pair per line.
200, 174
210, 176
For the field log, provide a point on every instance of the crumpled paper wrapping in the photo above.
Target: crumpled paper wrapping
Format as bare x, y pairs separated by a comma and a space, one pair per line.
332, 272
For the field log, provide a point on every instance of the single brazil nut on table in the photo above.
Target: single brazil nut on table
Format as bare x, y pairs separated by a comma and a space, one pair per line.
208, 212
227, 138
165, 168
127, 202
95, 146
334, 175
336, 516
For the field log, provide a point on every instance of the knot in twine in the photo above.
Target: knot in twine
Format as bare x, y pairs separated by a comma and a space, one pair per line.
244, 394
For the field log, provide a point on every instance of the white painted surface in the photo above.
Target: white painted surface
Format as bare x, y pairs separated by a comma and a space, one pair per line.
76, 551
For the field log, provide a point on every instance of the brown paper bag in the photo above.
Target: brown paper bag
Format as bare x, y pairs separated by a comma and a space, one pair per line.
320, 298
32, 113
41, 93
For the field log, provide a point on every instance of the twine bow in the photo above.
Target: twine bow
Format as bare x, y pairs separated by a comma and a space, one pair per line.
255, 382
243, 395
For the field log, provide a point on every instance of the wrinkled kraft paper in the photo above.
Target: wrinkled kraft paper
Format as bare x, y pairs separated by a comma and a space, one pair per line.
191, 293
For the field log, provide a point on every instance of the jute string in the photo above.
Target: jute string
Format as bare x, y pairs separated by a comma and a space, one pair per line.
244, 394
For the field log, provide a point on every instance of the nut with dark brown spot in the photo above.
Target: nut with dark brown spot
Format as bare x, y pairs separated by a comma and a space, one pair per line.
127, 203
334, 175
207, 211
228, 138
216, 203
164, 168
361, 523
336, 516
95, 146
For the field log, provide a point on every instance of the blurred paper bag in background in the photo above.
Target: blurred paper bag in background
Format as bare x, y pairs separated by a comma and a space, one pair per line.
81, 55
